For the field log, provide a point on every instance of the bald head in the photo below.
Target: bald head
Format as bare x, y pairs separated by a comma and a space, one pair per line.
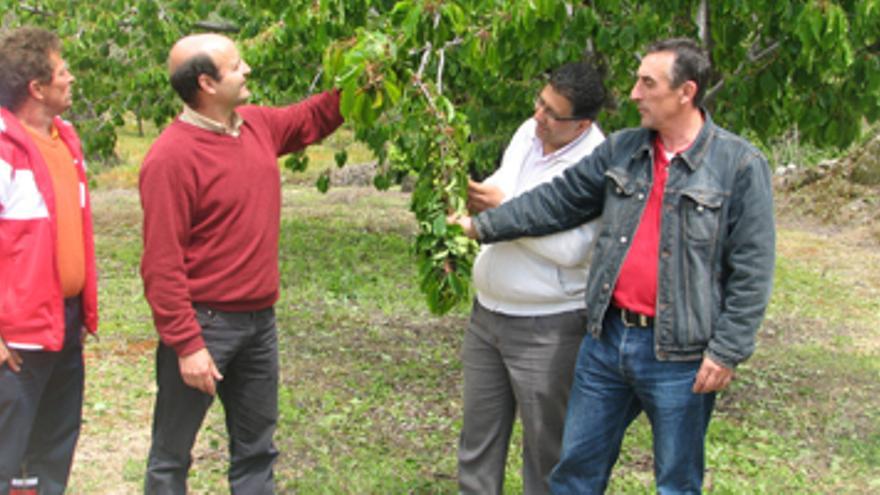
194, 45
198, 65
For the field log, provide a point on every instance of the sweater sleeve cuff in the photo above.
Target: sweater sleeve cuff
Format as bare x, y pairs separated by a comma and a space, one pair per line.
189, 346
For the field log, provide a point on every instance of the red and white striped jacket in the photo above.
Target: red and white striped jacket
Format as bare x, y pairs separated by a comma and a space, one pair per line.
31, 300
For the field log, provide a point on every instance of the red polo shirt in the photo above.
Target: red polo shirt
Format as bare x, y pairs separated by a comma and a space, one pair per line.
636, 288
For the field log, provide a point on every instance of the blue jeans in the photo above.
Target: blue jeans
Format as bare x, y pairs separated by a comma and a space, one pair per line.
616, 377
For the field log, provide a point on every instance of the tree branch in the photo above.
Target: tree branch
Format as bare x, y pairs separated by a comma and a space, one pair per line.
426, 56
316, 79
35, 10
752, 57
756, 57
427, 94
456, 41
217, 26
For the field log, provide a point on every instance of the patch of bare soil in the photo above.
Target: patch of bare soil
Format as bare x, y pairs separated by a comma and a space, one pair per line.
837, 195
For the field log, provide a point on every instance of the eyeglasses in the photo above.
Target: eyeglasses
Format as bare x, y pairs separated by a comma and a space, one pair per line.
540, 104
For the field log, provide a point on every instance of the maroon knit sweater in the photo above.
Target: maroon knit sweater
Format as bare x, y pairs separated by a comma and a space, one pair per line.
212, 208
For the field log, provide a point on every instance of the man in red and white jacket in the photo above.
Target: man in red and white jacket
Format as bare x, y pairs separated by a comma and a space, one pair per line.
48, 296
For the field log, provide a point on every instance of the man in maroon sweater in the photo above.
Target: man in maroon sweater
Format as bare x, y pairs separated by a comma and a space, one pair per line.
211, 194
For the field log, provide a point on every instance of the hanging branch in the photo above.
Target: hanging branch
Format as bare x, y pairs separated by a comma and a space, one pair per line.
454, 42
418, 77
35, 10
217, 26
426, 56
315, 80
753, 56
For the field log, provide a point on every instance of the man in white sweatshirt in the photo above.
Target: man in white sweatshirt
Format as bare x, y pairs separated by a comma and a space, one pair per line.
528, 318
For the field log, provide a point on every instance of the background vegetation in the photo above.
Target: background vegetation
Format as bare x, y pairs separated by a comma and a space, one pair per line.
812, 63
435, 87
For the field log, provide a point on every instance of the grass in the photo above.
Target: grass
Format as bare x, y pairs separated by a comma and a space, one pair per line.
370, 382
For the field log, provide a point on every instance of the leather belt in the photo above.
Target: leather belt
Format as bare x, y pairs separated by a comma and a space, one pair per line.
633, 319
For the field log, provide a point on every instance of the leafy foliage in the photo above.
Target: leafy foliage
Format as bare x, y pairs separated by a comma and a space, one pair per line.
436, 87
367, 69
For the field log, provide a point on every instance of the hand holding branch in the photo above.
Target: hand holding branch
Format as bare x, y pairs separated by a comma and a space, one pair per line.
465, 222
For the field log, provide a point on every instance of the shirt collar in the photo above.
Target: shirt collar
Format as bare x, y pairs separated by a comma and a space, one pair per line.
53, 133
561, 152
192, 117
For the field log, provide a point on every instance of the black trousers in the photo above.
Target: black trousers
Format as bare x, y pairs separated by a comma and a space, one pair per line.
41, 410
244, 347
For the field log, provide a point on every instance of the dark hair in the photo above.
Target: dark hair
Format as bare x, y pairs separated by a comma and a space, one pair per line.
185, 80
581, 84
691, 64
24, 57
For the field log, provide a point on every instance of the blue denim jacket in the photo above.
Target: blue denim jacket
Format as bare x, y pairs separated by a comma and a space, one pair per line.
717, 238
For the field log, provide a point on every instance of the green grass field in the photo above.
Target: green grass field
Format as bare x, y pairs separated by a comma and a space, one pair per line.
370, 395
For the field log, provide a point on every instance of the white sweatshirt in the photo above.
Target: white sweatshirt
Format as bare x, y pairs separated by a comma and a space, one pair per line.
534, 276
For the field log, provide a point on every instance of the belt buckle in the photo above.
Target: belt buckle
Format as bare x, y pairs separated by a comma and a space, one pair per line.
642, 320
623, 317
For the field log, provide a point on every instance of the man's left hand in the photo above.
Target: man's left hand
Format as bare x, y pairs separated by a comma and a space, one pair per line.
712, 377
483, 196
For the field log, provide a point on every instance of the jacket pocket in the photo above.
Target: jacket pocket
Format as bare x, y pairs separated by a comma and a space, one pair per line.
701, 211
622, 184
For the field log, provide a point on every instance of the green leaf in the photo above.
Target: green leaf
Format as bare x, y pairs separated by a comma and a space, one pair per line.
392, 90
347, 102
351, 73
296, 162
438, 227
341, 157
323, 181
377, 101
447, 107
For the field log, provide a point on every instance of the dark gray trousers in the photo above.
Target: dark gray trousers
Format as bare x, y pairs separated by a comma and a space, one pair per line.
244, 347
41, 410
510, 363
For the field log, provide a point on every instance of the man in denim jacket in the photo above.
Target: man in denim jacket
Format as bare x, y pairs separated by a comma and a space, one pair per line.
680, 277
